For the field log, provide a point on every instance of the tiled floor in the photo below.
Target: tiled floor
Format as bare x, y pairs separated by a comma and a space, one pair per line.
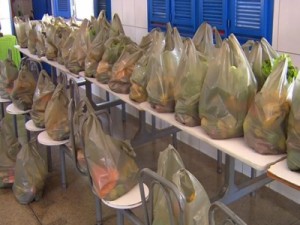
76, 205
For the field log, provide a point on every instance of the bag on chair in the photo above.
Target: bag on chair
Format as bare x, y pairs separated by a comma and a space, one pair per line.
30, 174
110, 161
41, 97
56, 114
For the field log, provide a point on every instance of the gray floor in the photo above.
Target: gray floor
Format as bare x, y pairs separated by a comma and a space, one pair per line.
76, 205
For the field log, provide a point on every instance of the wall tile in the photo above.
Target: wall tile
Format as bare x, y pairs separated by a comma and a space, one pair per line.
128, 13
117, 7
141, 19
130, 31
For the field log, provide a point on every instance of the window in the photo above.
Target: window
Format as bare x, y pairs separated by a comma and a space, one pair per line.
62, 8
83, 9
247, 19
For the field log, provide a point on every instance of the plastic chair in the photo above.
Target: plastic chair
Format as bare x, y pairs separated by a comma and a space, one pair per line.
171, 193
9, 42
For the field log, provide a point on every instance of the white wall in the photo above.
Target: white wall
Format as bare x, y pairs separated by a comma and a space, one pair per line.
5, 16
286, 38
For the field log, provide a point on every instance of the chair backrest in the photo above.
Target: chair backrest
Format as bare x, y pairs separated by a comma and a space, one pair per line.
226, 217
9, 42
173, 197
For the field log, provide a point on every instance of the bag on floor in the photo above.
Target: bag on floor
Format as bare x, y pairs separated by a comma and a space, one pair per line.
30, 174
160, 87
293, 133
24, 87
228, 90
56, 114
266, 121
188, 84
41, 97
110, 161
8, 74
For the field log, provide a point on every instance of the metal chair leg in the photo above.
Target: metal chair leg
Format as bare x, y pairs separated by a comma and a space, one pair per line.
49, 158
98, 211
63, 168
120, 217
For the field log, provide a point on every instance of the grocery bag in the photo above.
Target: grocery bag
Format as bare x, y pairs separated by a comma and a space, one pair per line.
24, 87
56, 114
40, 39
110, 161
41, 97
67, 46
293, 130
30, 174
32, 36
20, 28
51, 49
143, 68
8, 74
116, 28
160, 87
228, 90
265, 124
122, 70
261, 57
61, 35
188, 84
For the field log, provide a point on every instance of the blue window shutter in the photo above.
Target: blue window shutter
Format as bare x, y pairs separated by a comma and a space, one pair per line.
249, 19
214, 12
158, 13
103, 5
62, 8
183, 16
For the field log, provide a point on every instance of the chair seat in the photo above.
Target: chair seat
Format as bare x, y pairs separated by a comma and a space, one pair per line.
32, 127
4, 100
12, 109
129, 200
45, 139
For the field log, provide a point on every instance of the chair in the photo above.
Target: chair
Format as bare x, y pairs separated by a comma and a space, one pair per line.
171, 193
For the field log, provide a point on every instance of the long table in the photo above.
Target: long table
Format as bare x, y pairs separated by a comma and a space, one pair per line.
234, 148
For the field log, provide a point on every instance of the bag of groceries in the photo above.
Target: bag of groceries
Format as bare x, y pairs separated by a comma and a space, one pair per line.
30, 174
20, 28
228, 90
188, 84
122, 70
51, 49
96, 49
204, 40
56, 114
24, 87
113, 49
67, 46
160, 87
171, 167
110, 161
116, 28
41, 97
261, 57
266, 122
8, 74
61, 35
293, 130
142, 70
40, 39
32, 36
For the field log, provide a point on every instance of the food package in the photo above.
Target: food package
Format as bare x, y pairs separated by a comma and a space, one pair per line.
160, 87
265, 124
41, 97
227, 93
32, 36
40, 40
21, 27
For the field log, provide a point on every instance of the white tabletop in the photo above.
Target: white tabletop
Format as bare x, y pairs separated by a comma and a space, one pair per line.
124, 97
12, 109
45, 139
282, 171
4, 100
29, 125
235, 147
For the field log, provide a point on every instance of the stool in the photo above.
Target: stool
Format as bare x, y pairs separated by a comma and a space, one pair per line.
31, 127
45, 139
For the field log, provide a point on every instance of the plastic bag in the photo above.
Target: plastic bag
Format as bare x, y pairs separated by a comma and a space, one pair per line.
40, 39
113, 49
8, 74
67, 46
56, 114
265, 123
30, 174
122, 70
260, 53
142, 70
96, 49
62, 33
51, 49
23, 90
188, 84
116, 28
110, 161
228, 90
20, 27
32, 36
293, 132
41, 97
160, 87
